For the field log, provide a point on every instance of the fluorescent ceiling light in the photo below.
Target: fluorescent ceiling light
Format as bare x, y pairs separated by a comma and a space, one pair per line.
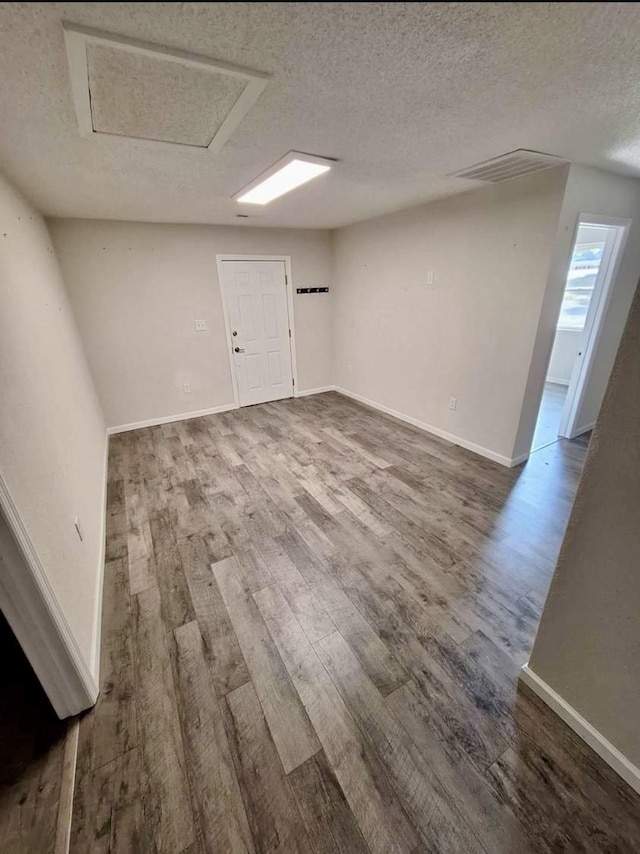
288, 173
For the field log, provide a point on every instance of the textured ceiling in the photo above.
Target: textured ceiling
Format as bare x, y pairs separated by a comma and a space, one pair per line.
133, 95
400, 93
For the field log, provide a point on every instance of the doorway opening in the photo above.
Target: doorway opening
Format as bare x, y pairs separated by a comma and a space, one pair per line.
594, 262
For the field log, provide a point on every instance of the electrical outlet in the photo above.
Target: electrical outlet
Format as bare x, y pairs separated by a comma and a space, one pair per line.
349, 369
201, 325
453, 403
186, 388
78, 529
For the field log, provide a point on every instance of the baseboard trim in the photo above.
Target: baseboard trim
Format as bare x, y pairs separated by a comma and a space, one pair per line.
97, 618
584, 429
515, 461
428, 428
588, 733
557, 381
311, 391
169, 419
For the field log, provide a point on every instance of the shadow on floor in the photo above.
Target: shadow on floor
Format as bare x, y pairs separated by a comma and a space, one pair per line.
31, 752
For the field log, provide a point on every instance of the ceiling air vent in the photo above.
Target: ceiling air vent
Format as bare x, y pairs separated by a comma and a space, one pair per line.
515, 164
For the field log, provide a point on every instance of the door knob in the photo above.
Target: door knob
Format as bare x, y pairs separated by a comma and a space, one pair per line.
238, 349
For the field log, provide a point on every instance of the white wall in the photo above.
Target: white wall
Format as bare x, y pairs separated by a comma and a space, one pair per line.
588, 191
137, 288
410, 346
52, 432
563, 355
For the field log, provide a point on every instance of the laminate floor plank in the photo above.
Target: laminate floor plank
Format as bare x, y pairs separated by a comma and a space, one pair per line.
167, 807
115, 727
221, 821
442, 512
91, 824
377, 809
116, 521
425, 799
488, 814
308, 609
177, 608
276, 479
374, 655
330, 824
255, 571
432, 659
351, 443
314, 620
129, 830
558, 760
226, 662
290, 728
261, 500
418, 573
430, 656
141, 561
274, 818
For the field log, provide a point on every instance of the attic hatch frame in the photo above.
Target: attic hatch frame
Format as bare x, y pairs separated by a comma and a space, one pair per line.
78, 39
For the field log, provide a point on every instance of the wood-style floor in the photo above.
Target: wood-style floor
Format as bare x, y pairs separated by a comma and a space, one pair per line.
314, 618
549, 415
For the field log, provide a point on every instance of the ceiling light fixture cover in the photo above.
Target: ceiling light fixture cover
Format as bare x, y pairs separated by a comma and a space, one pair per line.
293, 170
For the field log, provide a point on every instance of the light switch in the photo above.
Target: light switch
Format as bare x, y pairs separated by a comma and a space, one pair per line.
430, 277
201, 325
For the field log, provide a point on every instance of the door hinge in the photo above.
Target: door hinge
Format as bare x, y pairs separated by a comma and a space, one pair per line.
286, 279
293, 382
289, 333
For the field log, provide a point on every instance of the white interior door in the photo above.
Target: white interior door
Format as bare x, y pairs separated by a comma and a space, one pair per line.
255, 293
614, 243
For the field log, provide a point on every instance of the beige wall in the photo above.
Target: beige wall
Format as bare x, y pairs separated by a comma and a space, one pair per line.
411, 346
137, 289
588, 191
52, 432
587, 648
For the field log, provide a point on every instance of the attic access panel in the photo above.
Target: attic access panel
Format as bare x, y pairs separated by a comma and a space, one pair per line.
127, 89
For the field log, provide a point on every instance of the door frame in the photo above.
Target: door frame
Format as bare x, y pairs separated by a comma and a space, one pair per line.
237, 256
36, 618
583, 365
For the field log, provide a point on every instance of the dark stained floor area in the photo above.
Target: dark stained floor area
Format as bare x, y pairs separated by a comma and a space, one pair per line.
314, 619
32, 743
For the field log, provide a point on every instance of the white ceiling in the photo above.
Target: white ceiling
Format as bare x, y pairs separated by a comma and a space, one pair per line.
399, 93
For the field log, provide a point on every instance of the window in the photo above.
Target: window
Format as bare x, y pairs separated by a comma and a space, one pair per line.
585, 264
